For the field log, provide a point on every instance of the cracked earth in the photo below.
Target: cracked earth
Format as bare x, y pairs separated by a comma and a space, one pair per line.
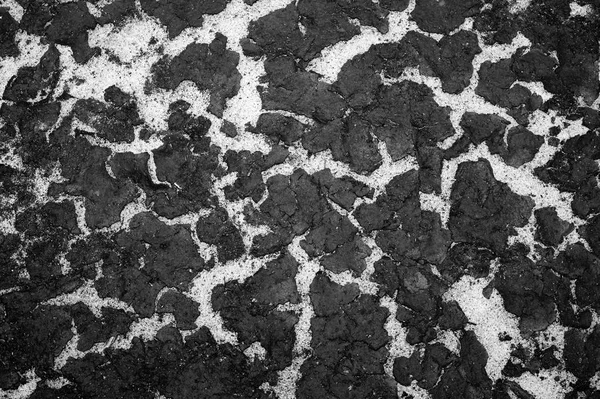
311, 199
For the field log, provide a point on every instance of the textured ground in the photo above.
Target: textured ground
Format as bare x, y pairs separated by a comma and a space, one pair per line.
311, 199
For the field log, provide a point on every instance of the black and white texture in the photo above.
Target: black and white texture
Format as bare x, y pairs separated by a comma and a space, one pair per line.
310, 199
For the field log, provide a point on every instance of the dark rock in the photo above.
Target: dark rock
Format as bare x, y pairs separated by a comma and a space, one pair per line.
554, 29
218, 230
521, 286
419, 298
455, 67
117, 12
294, 205
183, 308
118, 97
133, 167
47, 328
375, 216
407, 369
547, 357
398, 244
301, 93
386, 275
559, 289
182, 122
581, 352
555, 131
48, 229
443, 17
358, 147
574, 261
360, 79
350, 141
468, 376
276, 156
92, 330
371, 107
35, 123
69, 27
571, 167
418, 293
42, 256
497, 84
45, 392
277, 32
481, 128
592, 233
550, 228
343, 191
522, 146
180, 14
425, 368
210, 66
430, 169
466, 259
587, 286
533, 65
249, 167
411, 105
8, 30
348, 341
460, 146
250, 309
402, 193
586, 200
171, 366
553, 141
9, 244
34, 84
279, 128
349, 256
394, 5
187, 167
114, 123
49, 219
271, 243
327, 23
85, 253
323, 24
169, 252
65, 24
229, 129
453, 318
250, 49
123, 279
333, 231
483, 210
420, 237
591, 117
83, 167
504, 388
575, 169
249, 182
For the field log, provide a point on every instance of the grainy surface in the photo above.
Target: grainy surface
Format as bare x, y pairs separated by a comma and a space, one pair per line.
311, 199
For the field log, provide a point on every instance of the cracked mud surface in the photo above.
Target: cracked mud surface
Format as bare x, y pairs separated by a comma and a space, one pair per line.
311, 199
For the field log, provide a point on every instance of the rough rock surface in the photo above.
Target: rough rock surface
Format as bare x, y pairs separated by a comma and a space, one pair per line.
312, 199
